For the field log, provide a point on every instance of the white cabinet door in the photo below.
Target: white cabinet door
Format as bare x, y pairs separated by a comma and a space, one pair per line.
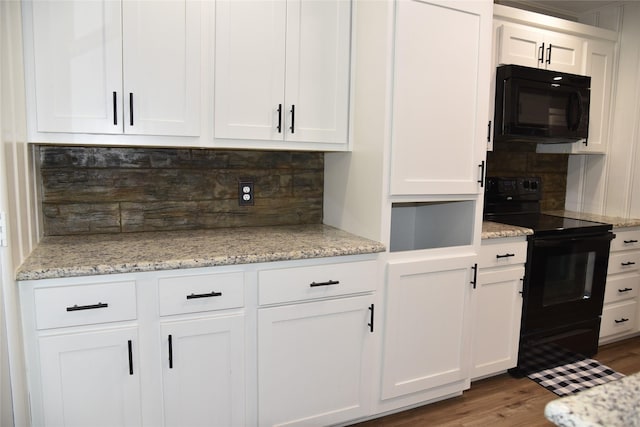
91, 379
314, 362
249, 69
497, 309
440, 96
162, 67
536, 48
599, 65
78, 66
317, 70
426, 325
282, 70
203, 372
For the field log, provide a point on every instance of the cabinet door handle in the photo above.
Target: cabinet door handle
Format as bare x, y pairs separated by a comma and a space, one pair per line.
279, 118
549, 54
327, 283
630, 241
207, 295
624, 319
131, 108
507, 255
115, 109
77, 307
481, 180
170, 339
541, 53
370, 324
489, 132
625, 290
130, 346
293, 118
475, 275
624, 264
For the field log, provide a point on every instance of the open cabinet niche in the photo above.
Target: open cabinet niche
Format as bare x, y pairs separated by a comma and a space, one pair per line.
429, 225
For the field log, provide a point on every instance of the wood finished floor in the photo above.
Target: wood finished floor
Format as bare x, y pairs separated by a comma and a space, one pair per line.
503, 400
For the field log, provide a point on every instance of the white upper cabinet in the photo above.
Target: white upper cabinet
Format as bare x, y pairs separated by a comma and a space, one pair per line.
112, 67
282, 70
440, 96
540, 49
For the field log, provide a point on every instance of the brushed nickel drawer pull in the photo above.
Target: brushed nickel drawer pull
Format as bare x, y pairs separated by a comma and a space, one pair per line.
77, 307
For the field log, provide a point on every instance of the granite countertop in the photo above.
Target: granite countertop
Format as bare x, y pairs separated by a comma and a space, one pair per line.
614, 404
495, 230
69, 256
617, 222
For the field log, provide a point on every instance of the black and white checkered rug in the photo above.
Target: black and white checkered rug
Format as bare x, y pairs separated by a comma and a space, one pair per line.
564, 372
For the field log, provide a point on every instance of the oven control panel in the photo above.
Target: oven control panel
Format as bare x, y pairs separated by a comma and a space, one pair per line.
514, 188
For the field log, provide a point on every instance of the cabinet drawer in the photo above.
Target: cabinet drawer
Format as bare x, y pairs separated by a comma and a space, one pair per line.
625, 240
206, 292
318, 281
621, 287
623, 262
496, 253
84, 304
618, 318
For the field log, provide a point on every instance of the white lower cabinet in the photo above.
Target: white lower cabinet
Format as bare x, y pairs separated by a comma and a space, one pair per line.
426, 336
497, 306
314, 362
203, 371
315, 349
90, 379
620, 310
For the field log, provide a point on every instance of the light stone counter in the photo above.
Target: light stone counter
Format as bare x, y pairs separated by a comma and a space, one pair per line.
614, 404
617, 222
69, 256
495, 230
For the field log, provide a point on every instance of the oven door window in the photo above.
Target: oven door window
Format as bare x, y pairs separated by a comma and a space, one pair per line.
568, 277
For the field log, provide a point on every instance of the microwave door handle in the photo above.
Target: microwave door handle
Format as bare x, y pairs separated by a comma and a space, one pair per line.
574, 100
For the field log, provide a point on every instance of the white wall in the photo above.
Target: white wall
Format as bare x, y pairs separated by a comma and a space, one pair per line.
16, 199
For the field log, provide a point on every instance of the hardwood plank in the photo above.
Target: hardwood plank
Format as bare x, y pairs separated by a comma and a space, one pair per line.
503, 400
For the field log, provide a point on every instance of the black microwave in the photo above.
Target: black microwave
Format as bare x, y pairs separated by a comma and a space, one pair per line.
541, 105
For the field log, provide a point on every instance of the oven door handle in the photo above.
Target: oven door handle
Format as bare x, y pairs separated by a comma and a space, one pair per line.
562, 241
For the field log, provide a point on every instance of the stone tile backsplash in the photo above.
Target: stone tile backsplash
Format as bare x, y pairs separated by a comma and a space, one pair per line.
90, 190
521, 159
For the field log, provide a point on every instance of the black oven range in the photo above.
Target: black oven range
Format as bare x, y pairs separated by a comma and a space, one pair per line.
565, 274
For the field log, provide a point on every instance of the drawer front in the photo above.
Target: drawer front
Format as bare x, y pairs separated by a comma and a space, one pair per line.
621, 287
625, 240
206, 292
85, 304
624, 262
618, 318
494, 253
318, 281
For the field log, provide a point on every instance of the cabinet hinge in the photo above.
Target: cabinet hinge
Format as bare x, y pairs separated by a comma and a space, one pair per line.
3, 229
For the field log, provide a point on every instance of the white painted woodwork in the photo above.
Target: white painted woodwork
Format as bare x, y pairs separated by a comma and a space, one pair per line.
272, 55
314, 362
173, 292
205, 384
497, 310
426, 336
87, 53
294, 284
502, 252
54, 305
620, 310
162, 67
78, 65
86, 379
525, 46
440, 113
